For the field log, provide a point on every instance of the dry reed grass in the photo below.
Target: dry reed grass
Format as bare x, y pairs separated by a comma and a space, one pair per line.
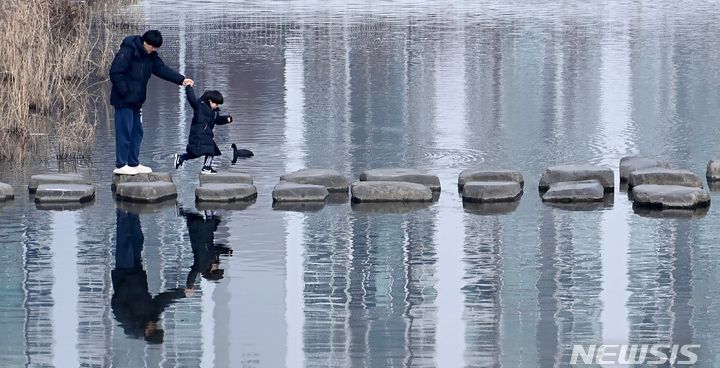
52, 53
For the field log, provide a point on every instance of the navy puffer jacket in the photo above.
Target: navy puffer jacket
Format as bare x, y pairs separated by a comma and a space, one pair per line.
201, 141
130, 71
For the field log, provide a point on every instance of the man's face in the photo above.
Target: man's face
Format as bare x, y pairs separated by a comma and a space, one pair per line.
149, 48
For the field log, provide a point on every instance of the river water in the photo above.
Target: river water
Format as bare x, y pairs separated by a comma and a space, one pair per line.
352, 86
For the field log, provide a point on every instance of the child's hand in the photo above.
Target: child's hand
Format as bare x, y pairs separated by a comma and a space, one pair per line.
229, 118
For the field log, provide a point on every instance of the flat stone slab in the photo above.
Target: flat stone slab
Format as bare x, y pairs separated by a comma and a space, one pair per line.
37, 180
402, 175
146, 192
57, 193
294, 192
219, 192
670, 196
661, 176
141, 178
566, 173
6, 192
330, 179
713, 171
575, 191
491, 191
390, 191
633, 163
226, 178
489, 175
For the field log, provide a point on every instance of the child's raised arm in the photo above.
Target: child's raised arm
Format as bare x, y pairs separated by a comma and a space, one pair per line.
192, 99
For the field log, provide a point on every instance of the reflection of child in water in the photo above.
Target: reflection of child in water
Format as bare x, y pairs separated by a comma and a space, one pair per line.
206, 254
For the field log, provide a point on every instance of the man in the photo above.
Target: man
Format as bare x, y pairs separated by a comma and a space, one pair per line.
130, 71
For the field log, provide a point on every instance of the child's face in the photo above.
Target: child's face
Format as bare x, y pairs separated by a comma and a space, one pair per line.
213, 105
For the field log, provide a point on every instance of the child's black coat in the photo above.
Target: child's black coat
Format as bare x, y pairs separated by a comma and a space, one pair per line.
200, 141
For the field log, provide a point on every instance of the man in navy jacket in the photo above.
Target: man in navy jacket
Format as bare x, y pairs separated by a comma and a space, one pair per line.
130, 71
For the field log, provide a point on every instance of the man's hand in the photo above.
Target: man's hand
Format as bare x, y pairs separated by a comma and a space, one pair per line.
188, 82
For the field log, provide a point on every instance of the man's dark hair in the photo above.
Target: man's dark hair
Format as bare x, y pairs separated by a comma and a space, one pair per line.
213, 96
153, 38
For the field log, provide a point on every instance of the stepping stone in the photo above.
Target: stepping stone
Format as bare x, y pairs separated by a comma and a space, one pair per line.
330, 179
490, 208
633, 163
141, 178
661, 176
713, 170
6, 192
565, 173
293, 192
219, 192
226, 178
388, 207
575, 191
37, 180
390, 191
55, 193
670, 196
491, 191
402, 175
489, 175
146, 192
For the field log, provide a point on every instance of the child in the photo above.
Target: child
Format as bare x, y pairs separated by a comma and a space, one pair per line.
200, 142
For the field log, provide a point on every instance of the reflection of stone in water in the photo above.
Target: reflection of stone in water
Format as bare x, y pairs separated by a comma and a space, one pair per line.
607, 203
670, 213
624, 187
228, 206
311, 206
491, 208
63, 206
338, 198
714, 186
389, 207
144, 208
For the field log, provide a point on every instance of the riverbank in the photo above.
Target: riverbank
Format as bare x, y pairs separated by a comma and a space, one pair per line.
54, 53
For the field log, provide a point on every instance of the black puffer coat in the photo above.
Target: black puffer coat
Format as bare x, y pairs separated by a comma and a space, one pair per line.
201, 142
130, 71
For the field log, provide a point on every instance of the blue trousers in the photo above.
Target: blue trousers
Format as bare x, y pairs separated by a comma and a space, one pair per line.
128, 136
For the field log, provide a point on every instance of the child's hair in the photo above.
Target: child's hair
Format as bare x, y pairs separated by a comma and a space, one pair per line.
213, 96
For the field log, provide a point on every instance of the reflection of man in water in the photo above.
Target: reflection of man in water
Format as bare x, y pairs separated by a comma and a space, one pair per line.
206, 254
135, 309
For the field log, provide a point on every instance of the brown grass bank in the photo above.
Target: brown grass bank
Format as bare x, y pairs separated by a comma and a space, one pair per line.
52, 53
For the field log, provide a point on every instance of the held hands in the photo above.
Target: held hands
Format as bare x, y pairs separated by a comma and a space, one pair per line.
188, 82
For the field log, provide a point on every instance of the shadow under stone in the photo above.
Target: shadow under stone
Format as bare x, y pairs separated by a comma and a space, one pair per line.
670, 213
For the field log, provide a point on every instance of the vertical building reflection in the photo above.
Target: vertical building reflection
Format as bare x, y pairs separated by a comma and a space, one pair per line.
13, 350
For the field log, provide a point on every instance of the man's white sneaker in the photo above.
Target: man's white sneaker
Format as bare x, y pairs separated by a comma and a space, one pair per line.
125, 170
142, 169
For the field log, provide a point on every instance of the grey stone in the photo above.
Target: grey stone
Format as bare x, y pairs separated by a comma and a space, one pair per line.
670, 196
390, 191
489, 175
226, 178
632, 163
491, 191
402, 175
37, 180
330, 179
575, 191
141, 178
54, 193
661, 176
294, 192
146, 192
219, 192
565, 173
713, 171
6, 192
